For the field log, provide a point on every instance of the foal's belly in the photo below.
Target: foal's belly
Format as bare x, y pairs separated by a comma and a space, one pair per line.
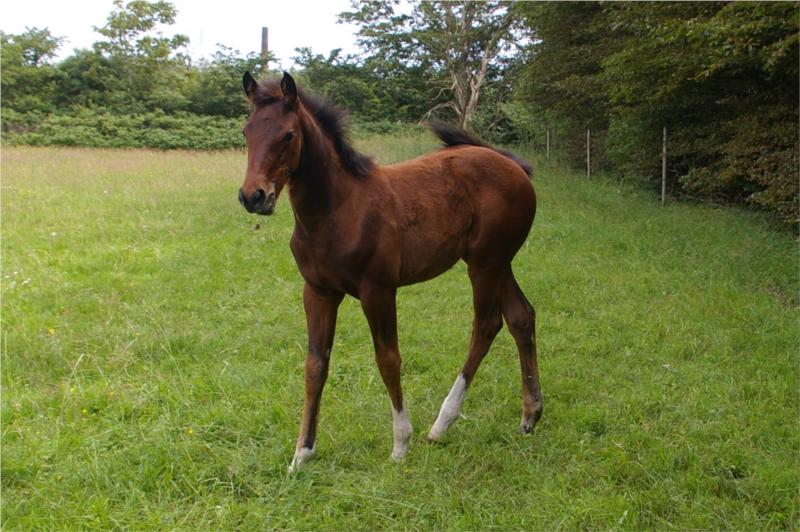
422, 263
434, 235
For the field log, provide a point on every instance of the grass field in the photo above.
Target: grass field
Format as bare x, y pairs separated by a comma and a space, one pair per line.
154, 339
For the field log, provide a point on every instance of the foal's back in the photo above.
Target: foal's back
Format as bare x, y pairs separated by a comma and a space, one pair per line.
465, 201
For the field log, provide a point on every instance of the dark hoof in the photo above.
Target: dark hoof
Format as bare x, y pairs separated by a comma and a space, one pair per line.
526, 427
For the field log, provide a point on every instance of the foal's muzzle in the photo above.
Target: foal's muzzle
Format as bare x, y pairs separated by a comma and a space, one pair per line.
258, 202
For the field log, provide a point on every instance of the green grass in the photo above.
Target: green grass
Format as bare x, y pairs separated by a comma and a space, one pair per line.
153, 345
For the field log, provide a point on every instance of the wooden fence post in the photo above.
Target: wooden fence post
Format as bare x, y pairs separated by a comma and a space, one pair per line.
588, 154
548, 143
265, 48
664, 168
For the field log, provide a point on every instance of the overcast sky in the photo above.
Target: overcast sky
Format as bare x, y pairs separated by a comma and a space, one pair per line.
234, 23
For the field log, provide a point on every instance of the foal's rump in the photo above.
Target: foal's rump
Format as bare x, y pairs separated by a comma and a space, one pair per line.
503, 201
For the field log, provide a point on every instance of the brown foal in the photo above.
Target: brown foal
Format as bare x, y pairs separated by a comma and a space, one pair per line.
364, 230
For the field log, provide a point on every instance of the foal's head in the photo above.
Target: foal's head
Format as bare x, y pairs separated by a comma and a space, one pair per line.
274, 142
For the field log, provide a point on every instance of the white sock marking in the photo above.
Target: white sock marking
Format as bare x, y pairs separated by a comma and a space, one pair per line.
451, 408
301, 456
401, 425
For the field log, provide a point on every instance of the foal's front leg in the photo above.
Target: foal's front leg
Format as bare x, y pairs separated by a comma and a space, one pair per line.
380, 310
321, 310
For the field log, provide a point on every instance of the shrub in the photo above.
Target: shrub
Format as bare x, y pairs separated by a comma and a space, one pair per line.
359, 126
101, 129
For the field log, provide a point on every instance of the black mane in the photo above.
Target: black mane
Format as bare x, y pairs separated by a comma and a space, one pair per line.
333, 121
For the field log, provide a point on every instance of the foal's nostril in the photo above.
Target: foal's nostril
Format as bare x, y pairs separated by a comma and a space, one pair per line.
258, 197
255, 201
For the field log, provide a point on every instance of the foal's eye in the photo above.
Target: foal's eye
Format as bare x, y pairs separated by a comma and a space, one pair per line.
288, 136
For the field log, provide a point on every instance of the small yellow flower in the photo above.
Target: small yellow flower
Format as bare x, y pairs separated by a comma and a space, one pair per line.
84, 412
189, 431
51, 331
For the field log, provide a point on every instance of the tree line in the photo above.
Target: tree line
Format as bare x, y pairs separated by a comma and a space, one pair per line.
132, 68
722, 77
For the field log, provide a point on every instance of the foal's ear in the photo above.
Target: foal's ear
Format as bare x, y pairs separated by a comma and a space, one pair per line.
289, 89
250, 85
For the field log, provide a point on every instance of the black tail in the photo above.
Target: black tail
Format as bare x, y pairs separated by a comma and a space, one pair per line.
454, 136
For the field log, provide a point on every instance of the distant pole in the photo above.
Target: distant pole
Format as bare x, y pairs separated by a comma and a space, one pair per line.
548, 142
588, 154
664, 168
265, 48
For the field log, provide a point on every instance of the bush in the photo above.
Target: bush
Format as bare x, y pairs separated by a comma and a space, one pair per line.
359, 126
101, 129
758, 163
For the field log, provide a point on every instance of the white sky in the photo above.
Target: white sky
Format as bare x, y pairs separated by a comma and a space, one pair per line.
234, 23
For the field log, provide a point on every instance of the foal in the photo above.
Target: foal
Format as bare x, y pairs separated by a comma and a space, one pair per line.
364, 230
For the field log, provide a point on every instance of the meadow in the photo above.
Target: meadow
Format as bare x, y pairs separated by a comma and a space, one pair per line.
153, 341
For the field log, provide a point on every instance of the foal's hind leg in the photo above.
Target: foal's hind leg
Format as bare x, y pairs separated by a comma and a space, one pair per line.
487, 285
521, 320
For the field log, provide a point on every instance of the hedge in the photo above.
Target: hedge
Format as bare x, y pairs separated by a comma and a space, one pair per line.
101, 129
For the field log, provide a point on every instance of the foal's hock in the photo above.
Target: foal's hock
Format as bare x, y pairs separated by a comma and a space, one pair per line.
364, 230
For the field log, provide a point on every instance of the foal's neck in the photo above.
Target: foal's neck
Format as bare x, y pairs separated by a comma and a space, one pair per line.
314, 188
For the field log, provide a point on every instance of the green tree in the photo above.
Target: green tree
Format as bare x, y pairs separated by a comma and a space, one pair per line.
723, 79
455, 44
29, 77
87, 79
215, 87
150, 67
561, 81
131, 31
343, 81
